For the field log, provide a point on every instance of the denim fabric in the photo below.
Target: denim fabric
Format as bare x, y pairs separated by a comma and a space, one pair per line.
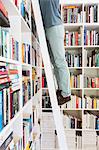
55, 37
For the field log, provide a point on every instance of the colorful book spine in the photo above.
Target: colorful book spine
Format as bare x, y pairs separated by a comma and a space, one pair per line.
72, 38
91, 37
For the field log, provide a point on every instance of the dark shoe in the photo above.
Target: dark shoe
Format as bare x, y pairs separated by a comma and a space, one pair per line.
58, 92
62, 100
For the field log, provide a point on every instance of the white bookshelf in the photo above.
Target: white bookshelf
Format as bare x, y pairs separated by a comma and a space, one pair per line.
91, 71
22, 33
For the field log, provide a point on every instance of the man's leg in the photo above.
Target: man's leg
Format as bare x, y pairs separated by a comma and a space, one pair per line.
53, 63
55, 36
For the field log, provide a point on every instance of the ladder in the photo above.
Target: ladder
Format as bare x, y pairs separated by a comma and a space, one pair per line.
49, 76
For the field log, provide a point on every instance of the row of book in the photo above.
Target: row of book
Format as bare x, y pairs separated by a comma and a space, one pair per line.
26, 53
91, 37
91, 59
76, 81
26, 11
91, 82
26, 86
74, 103
71, 122
90, 121
9, 47
91, 102
46, 102
91, 13
11, 142
72, 14
72, 38
73, 60
44, 81
35, 58
9, 93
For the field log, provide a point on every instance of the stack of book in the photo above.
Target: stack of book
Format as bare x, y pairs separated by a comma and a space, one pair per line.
26, 86
90, 121
76, 81
9, 47
91, 13
91, 102
9, 93
14, 90
26, 53
72, 14
91, 82
91, 37
72, 38
26, 11
71, 122
73, 60
91, 59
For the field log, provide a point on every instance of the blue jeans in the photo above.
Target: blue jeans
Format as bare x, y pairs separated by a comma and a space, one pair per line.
55, 37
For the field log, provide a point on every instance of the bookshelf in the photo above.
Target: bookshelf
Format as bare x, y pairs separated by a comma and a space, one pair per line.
84, 103
23, 69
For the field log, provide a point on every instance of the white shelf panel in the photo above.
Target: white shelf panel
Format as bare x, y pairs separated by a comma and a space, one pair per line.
91, 46
10, 61
91, 25
72, 47
91, 67
72, 109
24, 26
75, 67
72, 26
69, 129
91, 88
91, 109
76, 88
47, 109
12, 9
26, 65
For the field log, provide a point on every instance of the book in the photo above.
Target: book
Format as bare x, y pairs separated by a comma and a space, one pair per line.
91, 13
91, 37
73, 60
9, 47
91, 82
25, 11
26, 53
76, 80
72, 14
72, 38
